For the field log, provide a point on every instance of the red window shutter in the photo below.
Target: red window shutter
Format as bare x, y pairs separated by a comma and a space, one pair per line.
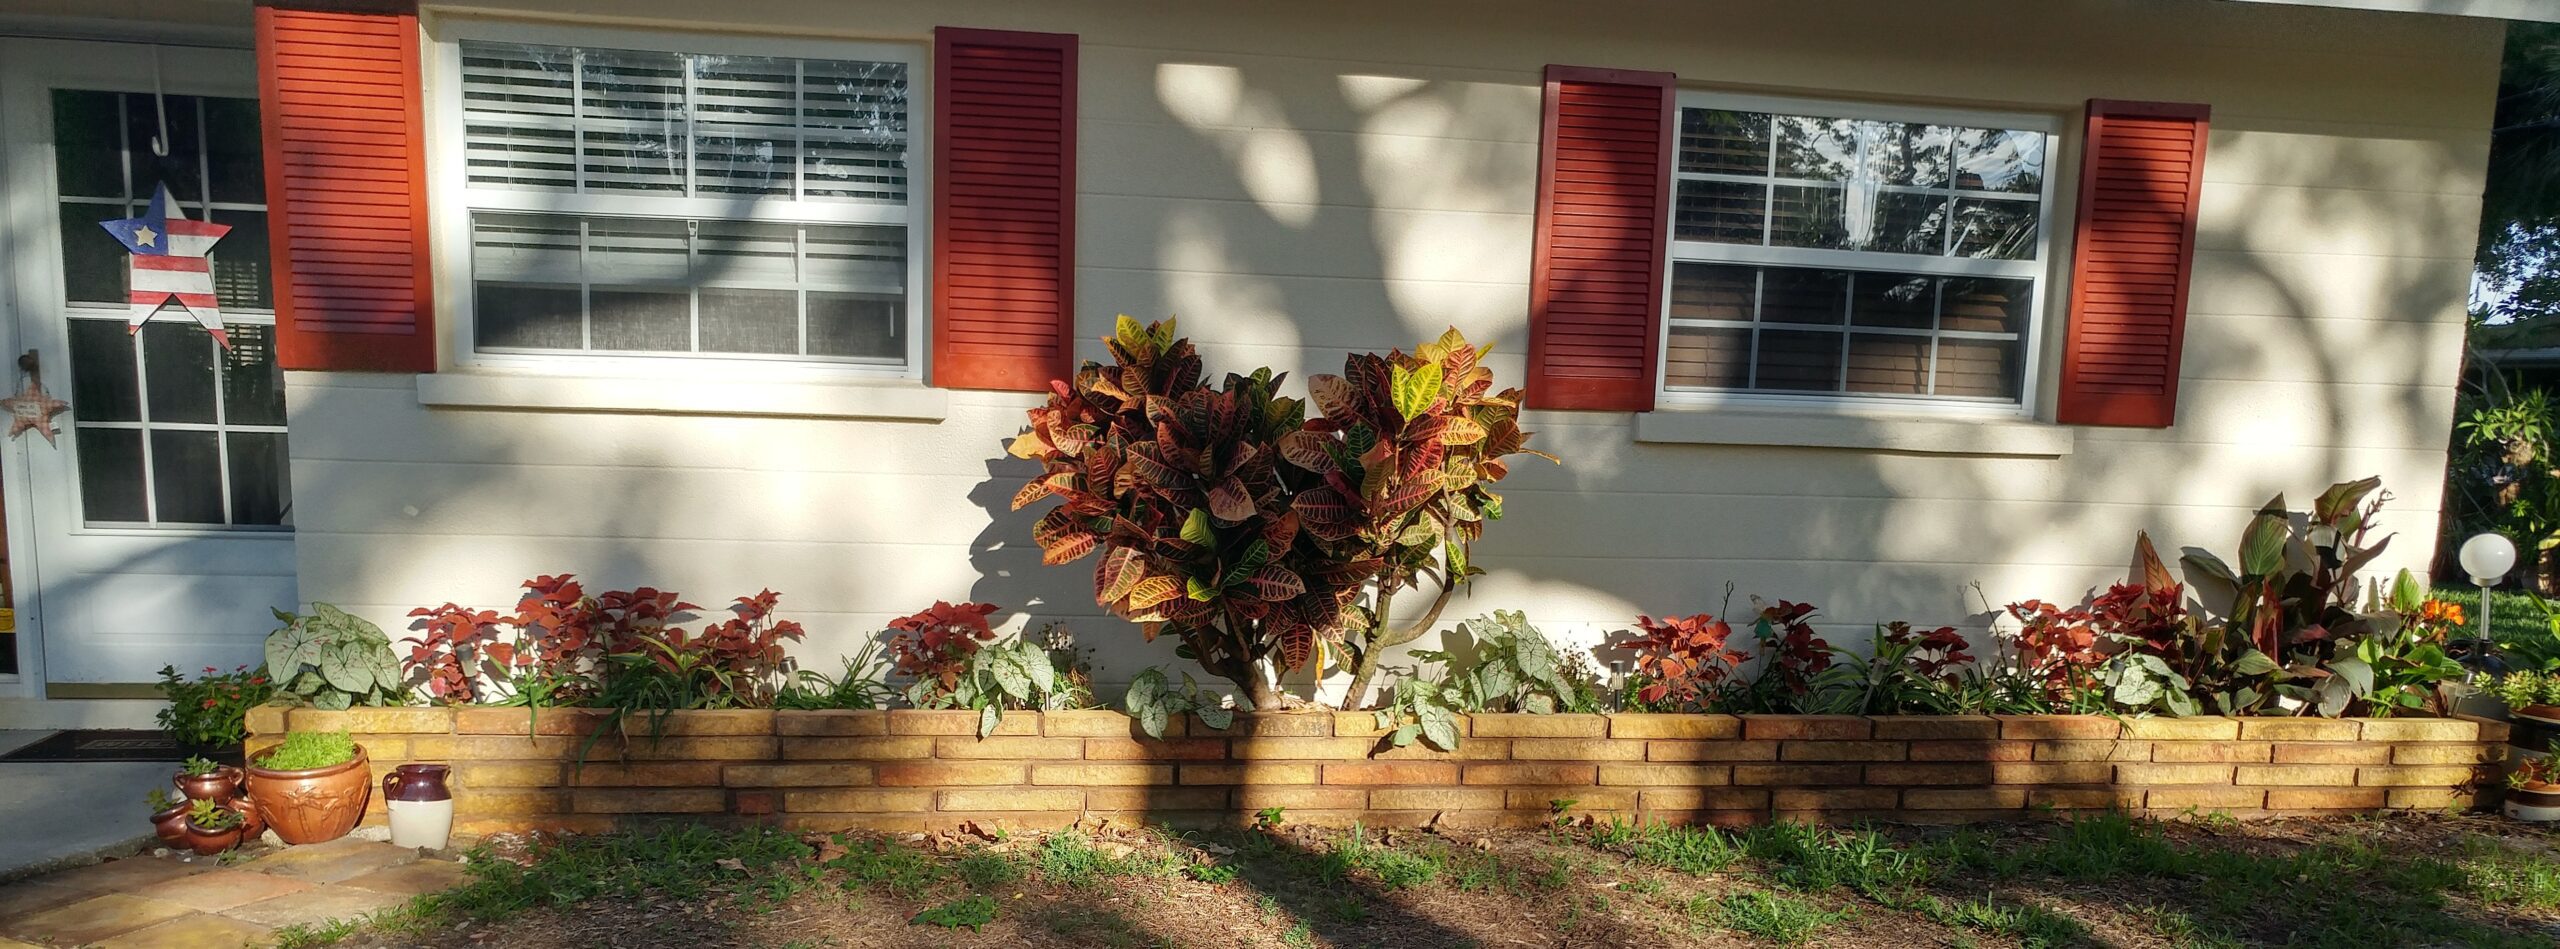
346, 189
1604, 206
2131, 256
1004, 206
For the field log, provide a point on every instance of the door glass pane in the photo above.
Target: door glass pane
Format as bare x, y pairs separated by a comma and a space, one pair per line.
102, 388
177, 371
240, 261
260, 493
111, 475
93, 267
88, 141
182, 169
238, 169
186, 476
252, 386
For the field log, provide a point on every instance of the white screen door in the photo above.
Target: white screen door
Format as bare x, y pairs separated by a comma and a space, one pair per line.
161, 521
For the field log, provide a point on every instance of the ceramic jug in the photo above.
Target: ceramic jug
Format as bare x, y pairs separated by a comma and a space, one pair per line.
421, 806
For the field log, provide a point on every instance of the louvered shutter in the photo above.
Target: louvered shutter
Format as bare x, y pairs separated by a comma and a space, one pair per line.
1004, 208
1595, 290
346, 189
2142, 170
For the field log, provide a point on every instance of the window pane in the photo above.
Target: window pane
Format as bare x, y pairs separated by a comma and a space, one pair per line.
181, 169
632, 86
750, 321
1723, 141
1795, 295
618, 160
524, 248
1895, 364
231, 151
102, 383
260, 485
1982, 368
1814, 216
1712, 292
1708, 358
1795, 360
857, 143
750, 90
1896, 300
1985, 305
1996, 160
745, 253
1907, 154
252, 386
186, 476
239, 259
93, 261
177, 370
1906, 223
526, 316
734, 159
642, 321
628, 251
868, 259
527, 90
111, 475
1720, 211
1817, 149
88, 144
2000, 229
849, 324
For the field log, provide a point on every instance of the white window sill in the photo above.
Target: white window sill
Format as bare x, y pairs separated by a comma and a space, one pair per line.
664, 395
1897, 433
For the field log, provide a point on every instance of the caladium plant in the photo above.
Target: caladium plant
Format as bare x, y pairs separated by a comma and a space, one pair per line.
1179, 486
332, 659
1405, 451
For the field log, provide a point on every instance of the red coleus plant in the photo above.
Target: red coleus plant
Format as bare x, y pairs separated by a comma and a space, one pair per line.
2058, 647
936, 643
1685, 659
1938, 654
1794, 654
456, 647
2149, 619
746, 648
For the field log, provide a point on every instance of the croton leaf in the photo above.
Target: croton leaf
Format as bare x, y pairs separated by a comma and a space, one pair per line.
1461, 430
1308, 450
1116, 574
1150, 591
1415, 389
1297, 643
1196, 528
1321, 506
1230, 501
1276, 582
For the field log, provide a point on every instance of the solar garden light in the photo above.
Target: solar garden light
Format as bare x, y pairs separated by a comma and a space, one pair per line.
2487, 558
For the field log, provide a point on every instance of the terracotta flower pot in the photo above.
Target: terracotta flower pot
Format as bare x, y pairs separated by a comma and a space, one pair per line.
2534, 802
308, 807
222, 785
209, 841
2545, 714
171, 826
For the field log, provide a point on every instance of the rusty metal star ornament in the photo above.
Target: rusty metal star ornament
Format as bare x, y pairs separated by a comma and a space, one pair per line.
33, 409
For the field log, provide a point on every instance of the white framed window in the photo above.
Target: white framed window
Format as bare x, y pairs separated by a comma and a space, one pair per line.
1838, 254
633, 197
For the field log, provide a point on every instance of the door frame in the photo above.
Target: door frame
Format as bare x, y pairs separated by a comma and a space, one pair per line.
29, 54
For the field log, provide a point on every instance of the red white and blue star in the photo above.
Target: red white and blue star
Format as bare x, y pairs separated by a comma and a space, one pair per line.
169, 263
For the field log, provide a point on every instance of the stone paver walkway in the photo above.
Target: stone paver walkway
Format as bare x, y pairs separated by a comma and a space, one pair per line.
187, 901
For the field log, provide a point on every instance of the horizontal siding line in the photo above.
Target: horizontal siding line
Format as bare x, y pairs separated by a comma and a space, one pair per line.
1745, 495
2209, 179
2201, 249
611, 466
1522, 284
2193, 313
1180, 126
968, 546
2224, 120
2094, 434
1088, 193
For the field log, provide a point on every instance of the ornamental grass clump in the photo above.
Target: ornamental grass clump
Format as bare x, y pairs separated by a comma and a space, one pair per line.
305, 751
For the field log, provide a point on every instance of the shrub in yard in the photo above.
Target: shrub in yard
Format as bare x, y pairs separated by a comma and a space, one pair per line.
213, 708
941, 647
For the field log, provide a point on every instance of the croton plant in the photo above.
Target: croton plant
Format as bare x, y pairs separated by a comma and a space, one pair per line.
1228, 518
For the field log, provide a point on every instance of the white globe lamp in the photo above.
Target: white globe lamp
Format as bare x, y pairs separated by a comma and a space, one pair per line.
2487, 558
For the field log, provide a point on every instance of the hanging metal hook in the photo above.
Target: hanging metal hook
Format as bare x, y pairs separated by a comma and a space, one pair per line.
160, 105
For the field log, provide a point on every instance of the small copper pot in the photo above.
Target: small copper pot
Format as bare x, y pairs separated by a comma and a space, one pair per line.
222, 785
208, 841
171, 826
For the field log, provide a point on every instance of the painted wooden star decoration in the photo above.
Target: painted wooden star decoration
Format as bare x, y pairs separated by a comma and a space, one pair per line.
168, 254
33, 409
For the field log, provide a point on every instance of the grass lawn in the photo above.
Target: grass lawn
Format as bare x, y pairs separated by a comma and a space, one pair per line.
2110, 881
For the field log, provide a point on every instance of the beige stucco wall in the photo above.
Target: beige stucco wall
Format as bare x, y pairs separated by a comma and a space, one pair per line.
1298, 180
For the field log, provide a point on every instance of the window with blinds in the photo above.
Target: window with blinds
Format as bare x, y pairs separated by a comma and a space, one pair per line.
630, 201
1841, 252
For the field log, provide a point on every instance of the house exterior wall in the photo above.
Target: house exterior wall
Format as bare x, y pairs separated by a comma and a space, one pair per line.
1298, 181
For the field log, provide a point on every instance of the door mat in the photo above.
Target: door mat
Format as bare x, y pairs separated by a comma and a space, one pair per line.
117, 744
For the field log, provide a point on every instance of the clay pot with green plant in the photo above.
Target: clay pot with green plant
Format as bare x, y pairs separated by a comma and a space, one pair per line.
2531, 695
169, 818
312, 787
212, 828
2533, 787
202, 779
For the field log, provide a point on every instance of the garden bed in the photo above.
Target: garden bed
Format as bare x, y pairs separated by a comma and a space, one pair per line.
909, 770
